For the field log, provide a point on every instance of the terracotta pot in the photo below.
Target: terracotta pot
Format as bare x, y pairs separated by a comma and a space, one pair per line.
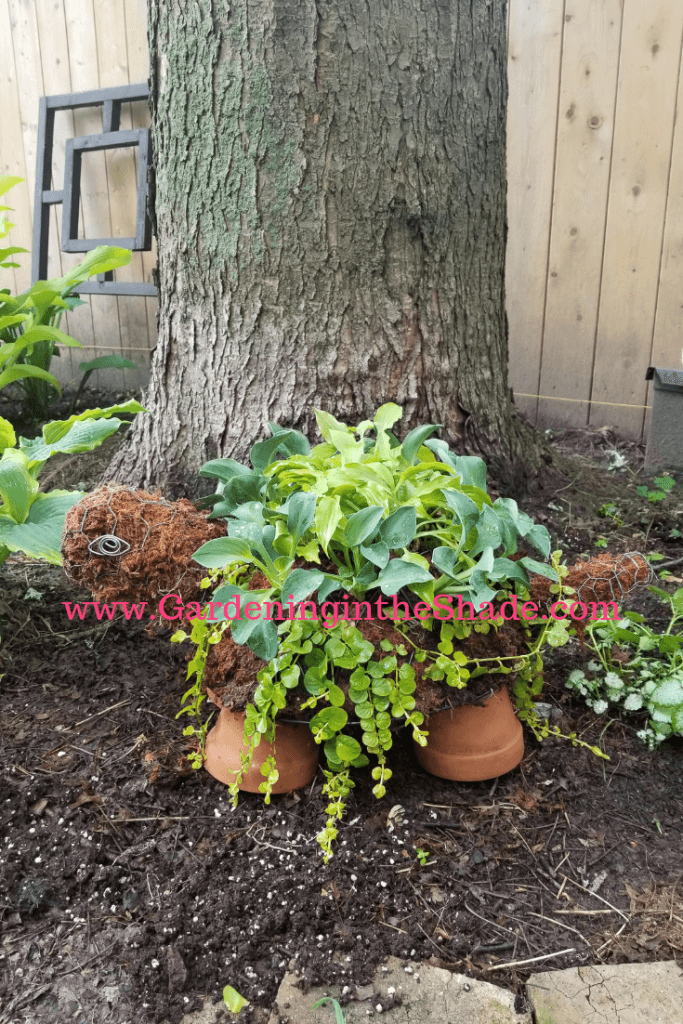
295, 752
469, 744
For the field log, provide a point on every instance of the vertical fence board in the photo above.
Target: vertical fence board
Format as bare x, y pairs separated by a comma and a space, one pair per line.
648, 80
12, 159
110, 19
85, 74
138, 66
667, 346
584, 144
533, 74
26, 47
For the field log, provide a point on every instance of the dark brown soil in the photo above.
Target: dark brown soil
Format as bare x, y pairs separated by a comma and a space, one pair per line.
129, 890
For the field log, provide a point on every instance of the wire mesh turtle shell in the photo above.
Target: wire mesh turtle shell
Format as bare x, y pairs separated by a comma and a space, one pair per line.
127, 545
605, 578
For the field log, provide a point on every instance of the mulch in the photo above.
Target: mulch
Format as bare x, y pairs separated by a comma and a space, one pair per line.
130, 889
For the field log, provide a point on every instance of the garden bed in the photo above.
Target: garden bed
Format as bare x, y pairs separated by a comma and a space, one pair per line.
131, 888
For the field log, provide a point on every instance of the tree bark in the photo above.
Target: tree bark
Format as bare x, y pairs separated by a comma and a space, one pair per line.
330, 217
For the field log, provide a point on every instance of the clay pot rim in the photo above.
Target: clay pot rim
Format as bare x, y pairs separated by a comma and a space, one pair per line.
395, 724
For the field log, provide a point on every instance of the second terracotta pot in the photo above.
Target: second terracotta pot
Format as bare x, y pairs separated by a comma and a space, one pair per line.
294, 749
470, 743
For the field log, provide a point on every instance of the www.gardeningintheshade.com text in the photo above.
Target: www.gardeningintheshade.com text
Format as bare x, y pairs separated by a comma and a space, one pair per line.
446, 608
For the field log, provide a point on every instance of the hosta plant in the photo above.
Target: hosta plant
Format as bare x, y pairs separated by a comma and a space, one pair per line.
29, 323
369, 520
637, 670
31, 521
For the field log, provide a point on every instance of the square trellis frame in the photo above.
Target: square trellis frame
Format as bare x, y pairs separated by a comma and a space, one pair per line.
111, 138
72, 190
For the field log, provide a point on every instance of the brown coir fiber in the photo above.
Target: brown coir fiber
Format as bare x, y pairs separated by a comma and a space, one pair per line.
162, 535
605, 578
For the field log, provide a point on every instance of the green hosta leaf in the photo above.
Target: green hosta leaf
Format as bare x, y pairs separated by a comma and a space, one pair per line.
24, 370
362, 526
465, 509
327, 423
505, 569
249, 512
399, 573
43, 332
82, 437
328, 515
222, 551
446, 561
310, 552
482, 593
540, 538
107, 363
40, 536
399, 529
471, 470
385, 417
8, 181
301, 583
17, 486
233, 1000
7, 436
377, 553
489, 532
416, 438
540, 568
328, 586
10, 321
224, 469
351, 450
295, 443
300, 513
58, 429
262, 638
98, 261
264, 452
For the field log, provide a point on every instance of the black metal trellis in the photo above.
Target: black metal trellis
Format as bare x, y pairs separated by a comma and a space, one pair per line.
111, 137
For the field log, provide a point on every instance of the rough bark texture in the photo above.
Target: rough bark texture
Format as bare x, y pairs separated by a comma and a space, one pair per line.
330, 207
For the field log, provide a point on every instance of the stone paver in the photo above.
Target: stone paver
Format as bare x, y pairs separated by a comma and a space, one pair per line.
429, 995
619, 994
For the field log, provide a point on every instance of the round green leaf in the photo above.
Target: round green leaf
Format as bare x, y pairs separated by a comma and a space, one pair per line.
347, 748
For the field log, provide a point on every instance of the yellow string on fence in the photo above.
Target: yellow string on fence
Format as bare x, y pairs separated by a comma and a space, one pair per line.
585, 401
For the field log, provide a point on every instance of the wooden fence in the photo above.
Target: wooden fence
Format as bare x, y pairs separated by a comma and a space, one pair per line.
595, 189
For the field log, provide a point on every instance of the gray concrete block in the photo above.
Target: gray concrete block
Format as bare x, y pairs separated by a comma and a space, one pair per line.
429, 995
619, 994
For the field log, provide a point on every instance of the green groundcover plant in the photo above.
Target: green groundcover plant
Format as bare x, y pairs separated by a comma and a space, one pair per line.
31, 521
637, 670
371, 517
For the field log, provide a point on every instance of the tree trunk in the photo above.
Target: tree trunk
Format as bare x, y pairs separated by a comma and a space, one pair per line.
330, 211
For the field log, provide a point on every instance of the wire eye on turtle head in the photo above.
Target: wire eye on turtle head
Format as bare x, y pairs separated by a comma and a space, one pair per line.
108, 546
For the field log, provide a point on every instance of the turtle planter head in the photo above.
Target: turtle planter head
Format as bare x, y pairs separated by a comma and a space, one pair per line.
127, 545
